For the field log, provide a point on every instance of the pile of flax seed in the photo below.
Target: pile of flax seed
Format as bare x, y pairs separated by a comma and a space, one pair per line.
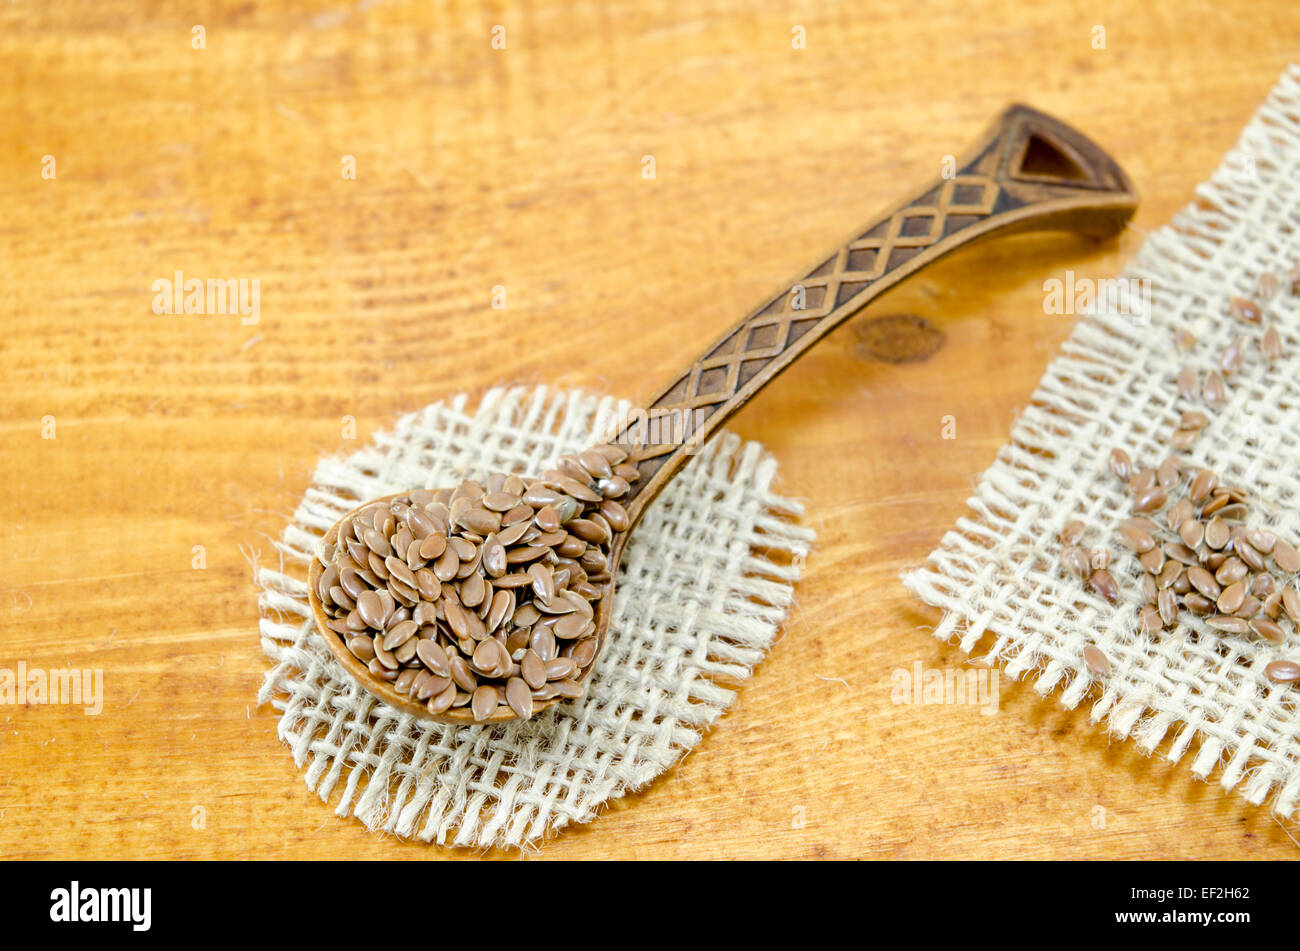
1188, 530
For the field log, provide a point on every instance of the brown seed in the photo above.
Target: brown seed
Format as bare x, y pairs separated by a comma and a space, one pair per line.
1202, 485
1228, 624
1169, 472
1231, 598
433, 656
1167, 605
1193, 419
1261, 586
584, 652
376, 542
1262, 540
1150, 592
533, 669
500, 501
363, 648
520, 697
1217, 501
1188, 383
432, 547
1104, 584
397, 569
1142, 481
1181, 585
427, 684
1149, 500
1244, 309
1180, 552
371, 609
426, 582
1267, 286
1153, 560
1198, 604
404, 653
441, 702
1121, 464
461, 673
1291, 603
1283, 671
1217, 533
596, 465
1270, 345
543, 642
1169, 574
516, 580
1249, 607
1213, 560
1184, 438
615, 513
1231, 571
1075, 561
547, 518
571, 626
1135, 539
560, 668
472, 590
490, 658
568, 689
543, 583
1215, 392
1285, 556
481, 521
1096, 661
503, 603
1191, 532
1273, 605
1149, 620
445, 568
1230, 359
1184, 340
1247, 553
399, 634
1178, 513
1204, 582
1269, 630
484, 702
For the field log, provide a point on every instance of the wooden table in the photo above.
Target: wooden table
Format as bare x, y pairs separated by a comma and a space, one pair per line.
523, 167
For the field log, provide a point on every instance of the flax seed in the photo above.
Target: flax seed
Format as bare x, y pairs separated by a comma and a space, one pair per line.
1283, 671
1096, 661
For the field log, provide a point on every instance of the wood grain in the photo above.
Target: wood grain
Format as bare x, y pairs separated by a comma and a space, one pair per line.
522, 168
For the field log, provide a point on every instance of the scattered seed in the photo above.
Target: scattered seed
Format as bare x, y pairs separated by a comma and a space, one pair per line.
1121, 464
1283, 671
1270, 345
1268, 629
1245, 310
1228, 624
1096, 661
1286, 557
1215, 392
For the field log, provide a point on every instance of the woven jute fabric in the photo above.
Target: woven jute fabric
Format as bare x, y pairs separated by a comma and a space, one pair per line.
704, 585
1189, 693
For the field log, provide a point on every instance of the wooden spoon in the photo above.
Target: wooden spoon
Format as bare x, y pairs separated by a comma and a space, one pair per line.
1027, 172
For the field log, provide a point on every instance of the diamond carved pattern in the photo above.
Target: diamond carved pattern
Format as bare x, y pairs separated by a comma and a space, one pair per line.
716, 378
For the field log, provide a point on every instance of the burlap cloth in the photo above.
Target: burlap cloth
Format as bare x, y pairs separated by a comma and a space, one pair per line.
996, 574
705, 583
